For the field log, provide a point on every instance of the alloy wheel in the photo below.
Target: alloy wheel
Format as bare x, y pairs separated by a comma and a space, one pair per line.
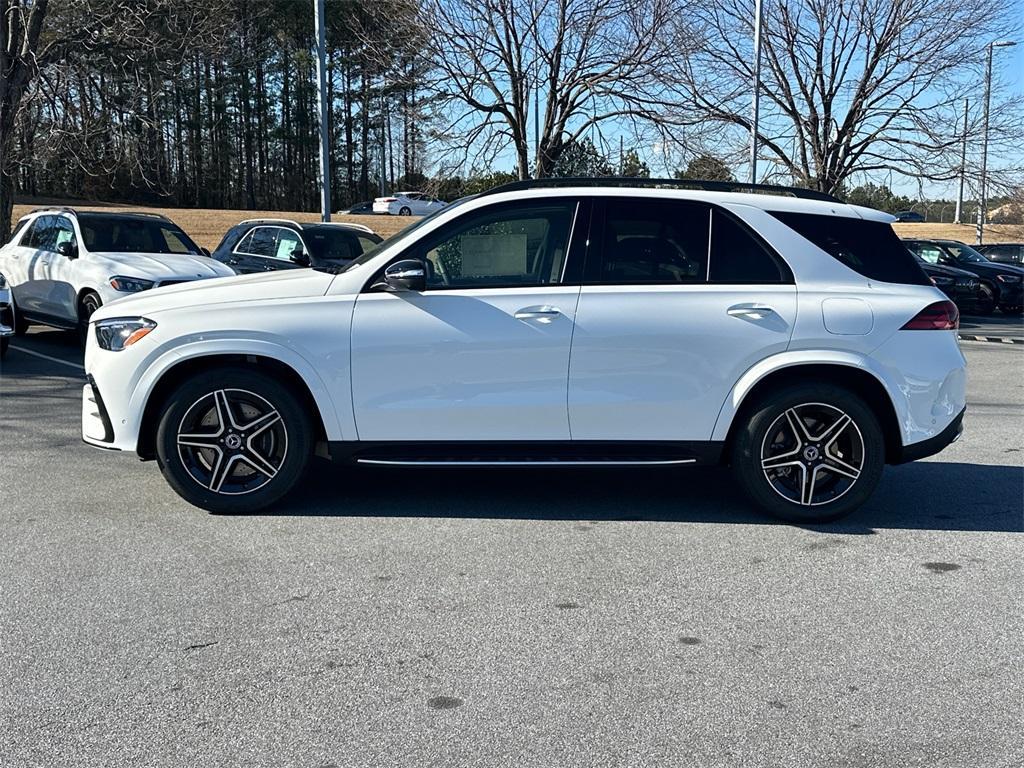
812, 454
232, 441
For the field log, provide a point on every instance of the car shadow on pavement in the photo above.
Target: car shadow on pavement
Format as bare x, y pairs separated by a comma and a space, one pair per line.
924, 495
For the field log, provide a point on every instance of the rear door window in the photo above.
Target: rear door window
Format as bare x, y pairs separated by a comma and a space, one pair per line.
647, 241
870, 248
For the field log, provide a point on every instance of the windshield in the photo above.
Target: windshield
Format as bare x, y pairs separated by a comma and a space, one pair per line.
965, 253
398, 237
106, 233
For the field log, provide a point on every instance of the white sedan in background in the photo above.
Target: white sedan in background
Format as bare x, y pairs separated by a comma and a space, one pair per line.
408, 204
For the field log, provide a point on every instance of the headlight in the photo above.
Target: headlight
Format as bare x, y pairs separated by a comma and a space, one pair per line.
1008, 278
939, 280
119, 332
130, 284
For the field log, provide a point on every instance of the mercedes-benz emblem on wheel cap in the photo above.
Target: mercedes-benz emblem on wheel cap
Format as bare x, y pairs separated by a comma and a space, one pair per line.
233, 442
811, 452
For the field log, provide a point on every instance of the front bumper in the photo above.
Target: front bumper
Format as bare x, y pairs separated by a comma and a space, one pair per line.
933, 445
96, 426
1011, 295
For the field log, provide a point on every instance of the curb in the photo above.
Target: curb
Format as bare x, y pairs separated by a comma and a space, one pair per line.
990, 339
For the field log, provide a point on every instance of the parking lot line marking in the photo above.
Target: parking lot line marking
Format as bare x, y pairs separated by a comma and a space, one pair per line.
76, 366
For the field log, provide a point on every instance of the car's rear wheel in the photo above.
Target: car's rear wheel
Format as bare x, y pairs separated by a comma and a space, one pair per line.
87, 305
233, 440
809, 453
405, 211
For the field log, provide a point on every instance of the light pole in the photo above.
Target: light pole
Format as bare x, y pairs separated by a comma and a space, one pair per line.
963, 170
321, 76
757, 92
983, 202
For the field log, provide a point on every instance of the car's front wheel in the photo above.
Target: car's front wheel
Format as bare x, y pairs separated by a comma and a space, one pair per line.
233, 440
809, 453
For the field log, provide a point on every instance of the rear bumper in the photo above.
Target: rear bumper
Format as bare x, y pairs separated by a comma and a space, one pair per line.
933, 445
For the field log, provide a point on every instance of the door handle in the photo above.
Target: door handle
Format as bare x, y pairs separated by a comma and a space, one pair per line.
753, 311
537, 313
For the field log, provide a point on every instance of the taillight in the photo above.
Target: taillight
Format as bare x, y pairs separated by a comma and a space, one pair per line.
940, 316
388, 199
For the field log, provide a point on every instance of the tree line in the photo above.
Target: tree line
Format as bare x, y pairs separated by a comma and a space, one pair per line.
213, 103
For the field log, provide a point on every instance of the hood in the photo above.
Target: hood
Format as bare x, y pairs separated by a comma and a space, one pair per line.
162, 266
261, 286
991, 268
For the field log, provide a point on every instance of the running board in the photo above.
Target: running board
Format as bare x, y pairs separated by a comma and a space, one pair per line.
526, 463
561, 453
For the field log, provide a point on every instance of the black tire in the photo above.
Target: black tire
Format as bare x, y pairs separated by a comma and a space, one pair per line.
199, 475
986, 304
5, 342
405, 211
20, 323
768, 434
87, 305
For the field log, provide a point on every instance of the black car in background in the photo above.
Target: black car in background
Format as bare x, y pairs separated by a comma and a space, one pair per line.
909, 217
364, 208
1003, 253
261, 245
963, 287
1004, 282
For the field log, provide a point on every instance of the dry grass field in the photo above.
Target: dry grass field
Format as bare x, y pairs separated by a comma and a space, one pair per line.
207, 226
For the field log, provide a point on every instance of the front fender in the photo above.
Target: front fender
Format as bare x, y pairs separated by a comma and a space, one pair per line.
161, 364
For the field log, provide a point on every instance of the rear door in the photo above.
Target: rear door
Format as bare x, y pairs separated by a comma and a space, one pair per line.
678, 300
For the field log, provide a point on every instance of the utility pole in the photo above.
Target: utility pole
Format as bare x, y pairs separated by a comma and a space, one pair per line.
321, 100
963, 171
757, 92
983, 202
536, 124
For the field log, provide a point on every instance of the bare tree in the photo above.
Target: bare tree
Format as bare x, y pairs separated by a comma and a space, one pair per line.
848, 85
587, 63
21, 25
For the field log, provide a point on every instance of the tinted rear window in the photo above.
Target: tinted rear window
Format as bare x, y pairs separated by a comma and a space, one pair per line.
870, 248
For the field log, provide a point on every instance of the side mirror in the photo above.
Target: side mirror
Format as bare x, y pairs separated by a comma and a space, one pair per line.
299, 256
405, 275
68, 249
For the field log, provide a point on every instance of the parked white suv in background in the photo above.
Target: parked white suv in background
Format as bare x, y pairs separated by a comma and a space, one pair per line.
787, 334
63, 264
408, 204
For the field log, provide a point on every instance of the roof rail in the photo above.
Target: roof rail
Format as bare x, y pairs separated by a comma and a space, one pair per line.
75, 212
700, 184
349, 224
272, 221
55, 209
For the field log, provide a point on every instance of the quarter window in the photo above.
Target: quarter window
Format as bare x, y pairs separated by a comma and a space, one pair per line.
520, 245
737, 257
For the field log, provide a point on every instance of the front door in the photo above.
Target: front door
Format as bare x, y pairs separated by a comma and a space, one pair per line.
679, 299
483, 353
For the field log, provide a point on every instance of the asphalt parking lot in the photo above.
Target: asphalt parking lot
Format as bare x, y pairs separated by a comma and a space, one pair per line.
456, 618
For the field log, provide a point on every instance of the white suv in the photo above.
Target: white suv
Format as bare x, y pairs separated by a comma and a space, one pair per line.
788, 334
63, 264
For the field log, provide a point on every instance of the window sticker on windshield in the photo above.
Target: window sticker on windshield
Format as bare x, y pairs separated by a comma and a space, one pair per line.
499, 254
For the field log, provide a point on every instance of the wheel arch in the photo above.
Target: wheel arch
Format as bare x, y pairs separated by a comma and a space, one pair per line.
848, 375
182, 370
